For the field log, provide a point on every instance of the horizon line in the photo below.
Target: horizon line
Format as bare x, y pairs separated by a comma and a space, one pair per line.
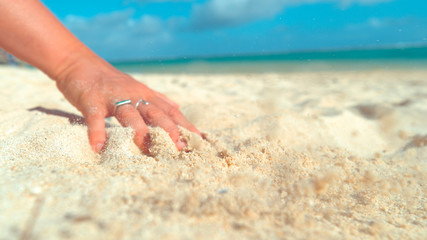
401, 46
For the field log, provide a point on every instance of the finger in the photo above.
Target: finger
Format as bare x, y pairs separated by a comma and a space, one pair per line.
181, 120
96, 130
167, 100
177, 117
130, 117
156, 117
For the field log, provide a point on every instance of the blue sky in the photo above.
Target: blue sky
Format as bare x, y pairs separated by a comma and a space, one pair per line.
144, 29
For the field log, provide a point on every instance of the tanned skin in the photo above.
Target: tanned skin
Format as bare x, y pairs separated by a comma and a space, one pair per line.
32, 33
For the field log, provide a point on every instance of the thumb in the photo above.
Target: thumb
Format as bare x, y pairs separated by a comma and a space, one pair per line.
96, 130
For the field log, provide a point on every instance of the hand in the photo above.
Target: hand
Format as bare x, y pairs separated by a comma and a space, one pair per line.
88, 82
93, 86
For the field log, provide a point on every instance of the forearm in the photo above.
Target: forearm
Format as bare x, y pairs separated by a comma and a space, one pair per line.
32, 33
29, 31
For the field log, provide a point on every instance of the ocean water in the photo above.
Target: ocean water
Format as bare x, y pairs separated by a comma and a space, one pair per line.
336, 60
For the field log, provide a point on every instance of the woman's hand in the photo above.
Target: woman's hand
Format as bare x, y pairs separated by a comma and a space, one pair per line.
88, 82
94, 87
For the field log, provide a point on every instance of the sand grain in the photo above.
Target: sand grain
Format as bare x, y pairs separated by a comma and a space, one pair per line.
303, 155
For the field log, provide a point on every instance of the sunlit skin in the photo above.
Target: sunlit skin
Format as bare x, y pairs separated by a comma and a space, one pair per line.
31, 32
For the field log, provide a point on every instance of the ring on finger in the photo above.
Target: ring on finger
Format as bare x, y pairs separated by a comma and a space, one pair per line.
141, 101
121, 103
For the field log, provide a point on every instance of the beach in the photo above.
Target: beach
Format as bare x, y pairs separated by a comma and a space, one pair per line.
300, 155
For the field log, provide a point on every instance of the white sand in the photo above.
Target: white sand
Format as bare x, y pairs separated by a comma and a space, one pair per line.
304, 155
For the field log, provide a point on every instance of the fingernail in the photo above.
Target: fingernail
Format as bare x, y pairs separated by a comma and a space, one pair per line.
98, 147
180, 144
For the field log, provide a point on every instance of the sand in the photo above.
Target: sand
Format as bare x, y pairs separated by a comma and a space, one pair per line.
326, 155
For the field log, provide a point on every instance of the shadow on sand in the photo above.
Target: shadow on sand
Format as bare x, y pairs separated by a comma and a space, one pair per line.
72, 118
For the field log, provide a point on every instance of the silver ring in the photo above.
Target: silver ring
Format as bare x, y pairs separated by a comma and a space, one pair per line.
121, 103
141, 101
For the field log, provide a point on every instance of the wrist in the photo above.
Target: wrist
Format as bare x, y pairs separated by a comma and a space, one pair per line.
71, 60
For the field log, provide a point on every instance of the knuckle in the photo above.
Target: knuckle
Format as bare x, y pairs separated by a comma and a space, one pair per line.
96, 133
154, 113
94, 112
93, 109
174, 112
123, 114
171, 129
139, 126
141, 132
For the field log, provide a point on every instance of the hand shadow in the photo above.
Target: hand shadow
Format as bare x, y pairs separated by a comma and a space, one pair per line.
72, 118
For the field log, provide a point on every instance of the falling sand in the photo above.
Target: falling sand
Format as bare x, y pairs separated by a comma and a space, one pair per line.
326, 155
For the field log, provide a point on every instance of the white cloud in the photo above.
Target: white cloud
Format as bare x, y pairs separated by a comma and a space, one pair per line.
119, 22
223, 13
387, 31
218, 13
118, 33
376, 22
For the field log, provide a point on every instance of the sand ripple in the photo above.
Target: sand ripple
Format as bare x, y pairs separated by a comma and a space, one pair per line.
325, 156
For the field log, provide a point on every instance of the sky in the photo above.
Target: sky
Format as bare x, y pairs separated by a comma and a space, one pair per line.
153, 29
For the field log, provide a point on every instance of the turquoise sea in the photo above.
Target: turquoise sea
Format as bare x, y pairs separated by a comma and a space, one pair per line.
333, 60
